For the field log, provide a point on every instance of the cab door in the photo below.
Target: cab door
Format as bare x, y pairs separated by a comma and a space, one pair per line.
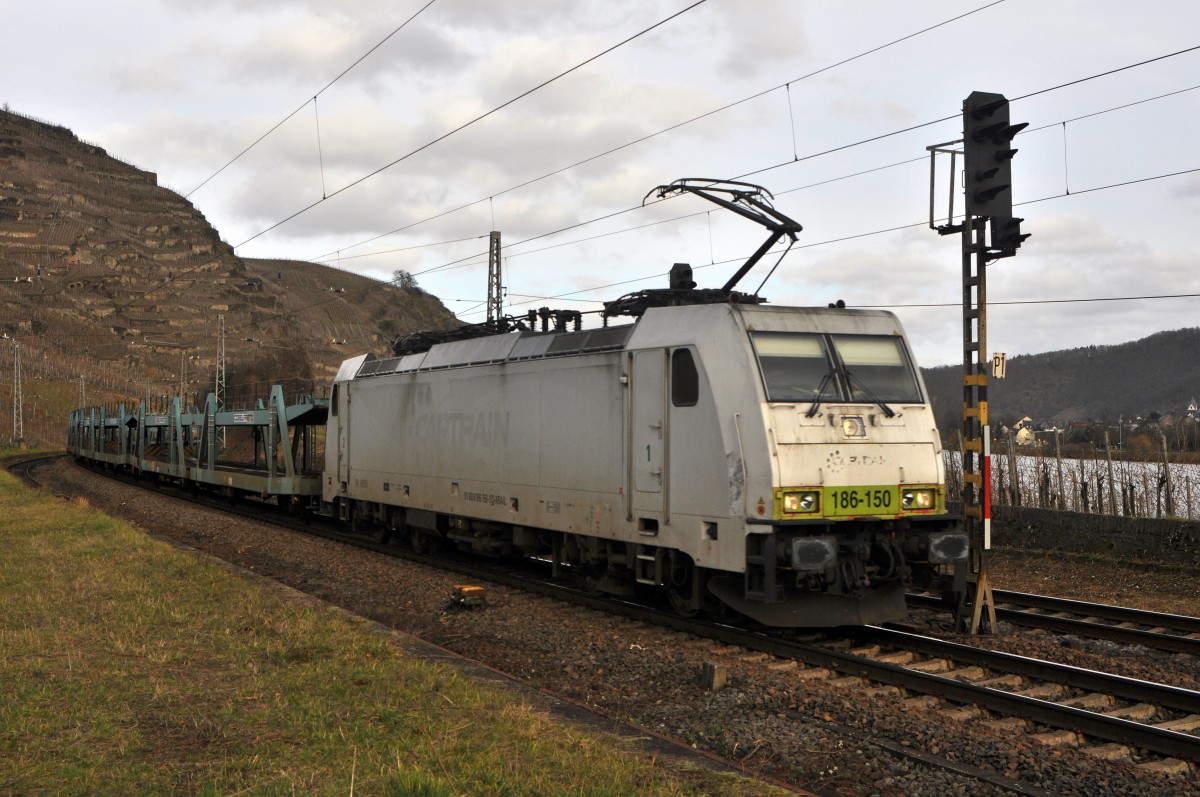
648, 437
342, 410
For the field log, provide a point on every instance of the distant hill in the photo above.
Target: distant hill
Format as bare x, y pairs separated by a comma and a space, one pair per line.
108, 276
1160, 374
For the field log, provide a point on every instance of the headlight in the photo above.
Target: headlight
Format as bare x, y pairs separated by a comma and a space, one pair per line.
918, 499
796, 502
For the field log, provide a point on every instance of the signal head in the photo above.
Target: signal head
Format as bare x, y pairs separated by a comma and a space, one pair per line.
987, 154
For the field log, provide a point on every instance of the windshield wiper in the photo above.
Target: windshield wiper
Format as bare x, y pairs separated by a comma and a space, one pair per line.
820, 394
852, 380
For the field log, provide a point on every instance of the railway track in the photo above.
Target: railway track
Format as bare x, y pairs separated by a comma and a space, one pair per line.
23, 465
1105, 715
1154, 630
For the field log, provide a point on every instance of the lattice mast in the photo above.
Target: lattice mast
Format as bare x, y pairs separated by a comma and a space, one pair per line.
220, 378
18, 397
219, 390
495, 298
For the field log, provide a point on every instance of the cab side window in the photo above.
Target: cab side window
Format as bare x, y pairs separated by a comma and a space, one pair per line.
685, 379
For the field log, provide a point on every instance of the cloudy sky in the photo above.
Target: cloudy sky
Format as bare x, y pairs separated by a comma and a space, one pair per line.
406, 158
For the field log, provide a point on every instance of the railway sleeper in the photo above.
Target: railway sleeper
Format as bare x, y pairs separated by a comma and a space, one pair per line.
963, 713
1183, 724
972, 674
1090, 701
1006, 681
932, 666
1138, 712
1169, 767
1050, 691
1057, 738
1112, 751
1008, 724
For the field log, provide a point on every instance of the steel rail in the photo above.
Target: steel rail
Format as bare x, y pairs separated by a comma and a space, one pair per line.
1175, 640
1145, 737
1164, 695
1181, 623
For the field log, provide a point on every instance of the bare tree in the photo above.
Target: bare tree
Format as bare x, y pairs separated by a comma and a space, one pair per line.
404, 279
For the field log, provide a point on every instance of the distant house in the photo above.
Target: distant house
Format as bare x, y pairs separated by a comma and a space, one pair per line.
1024, 432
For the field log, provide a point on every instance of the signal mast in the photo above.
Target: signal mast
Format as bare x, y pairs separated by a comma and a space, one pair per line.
989, 231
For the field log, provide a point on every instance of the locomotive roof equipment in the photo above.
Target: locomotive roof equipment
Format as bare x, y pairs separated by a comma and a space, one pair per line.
745, 199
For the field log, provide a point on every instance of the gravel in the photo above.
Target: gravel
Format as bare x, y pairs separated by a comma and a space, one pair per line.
833, 737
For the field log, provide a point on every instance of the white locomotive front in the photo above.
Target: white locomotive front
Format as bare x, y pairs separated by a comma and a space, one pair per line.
781, 460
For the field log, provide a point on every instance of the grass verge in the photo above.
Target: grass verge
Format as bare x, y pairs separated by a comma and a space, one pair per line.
129, 667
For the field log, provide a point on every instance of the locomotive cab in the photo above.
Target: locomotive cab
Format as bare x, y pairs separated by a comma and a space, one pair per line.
838, 467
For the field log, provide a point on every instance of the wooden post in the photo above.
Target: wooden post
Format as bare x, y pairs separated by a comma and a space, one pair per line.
1112, 485
1169, 503
1081, 489
1145, 508
1014, 475
1062, 496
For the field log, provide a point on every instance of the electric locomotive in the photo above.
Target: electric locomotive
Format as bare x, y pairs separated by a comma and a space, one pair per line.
781, 462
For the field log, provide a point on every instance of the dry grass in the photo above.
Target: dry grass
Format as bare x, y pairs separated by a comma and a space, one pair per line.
132, 668
1152, 586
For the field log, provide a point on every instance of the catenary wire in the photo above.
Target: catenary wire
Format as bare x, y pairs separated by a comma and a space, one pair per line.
676, 126
444, 136
467, 124
459, 263
567, 295
857, 143
759, 171
908, 227
463, 260
282, 121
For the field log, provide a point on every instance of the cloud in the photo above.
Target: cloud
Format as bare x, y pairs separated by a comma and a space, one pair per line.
1189, 188
750, 48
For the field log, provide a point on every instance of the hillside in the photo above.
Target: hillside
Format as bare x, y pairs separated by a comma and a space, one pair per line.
1160, 373
108, 276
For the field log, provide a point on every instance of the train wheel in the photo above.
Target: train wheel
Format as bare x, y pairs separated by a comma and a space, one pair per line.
684, 587
419, 543
591, 578
394, 529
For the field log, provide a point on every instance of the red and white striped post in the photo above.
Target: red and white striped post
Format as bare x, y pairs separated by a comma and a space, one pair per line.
987, 488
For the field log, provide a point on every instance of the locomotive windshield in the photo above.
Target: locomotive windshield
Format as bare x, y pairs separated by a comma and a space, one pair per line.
795, 366
877, 368
806, 367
